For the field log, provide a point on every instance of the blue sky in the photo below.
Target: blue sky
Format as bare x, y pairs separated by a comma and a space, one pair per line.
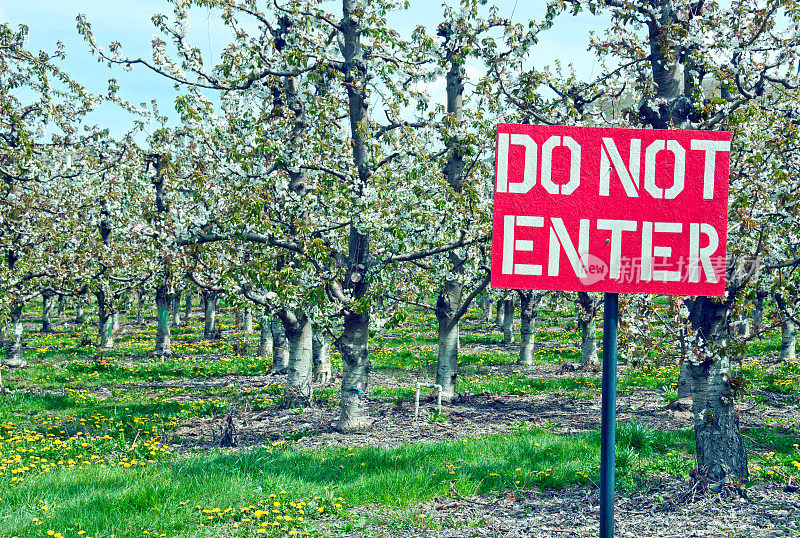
128, 21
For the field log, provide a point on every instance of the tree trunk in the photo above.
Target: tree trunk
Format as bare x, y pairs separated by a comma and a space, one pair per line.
500, 315
508, 321
487, 310
47, 312
265, 336
447, 358
298, 391
248, 320
356, 367
280, 348
758, 311
238, 323
188, 313
720, 449
588, 328
449, 303
80, 312
321, 354
124, 303
176, 310
721, 455
210, 314
62, 306
163, 341
115, 324
684, 379
140, 308
447, 306
742, 327
528, 304
353, 343
105, 326
788, 340
13, 341
587, 323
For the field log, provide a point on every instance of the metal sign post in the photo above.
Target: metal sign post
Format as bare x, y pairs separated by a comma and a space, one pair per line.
608, 414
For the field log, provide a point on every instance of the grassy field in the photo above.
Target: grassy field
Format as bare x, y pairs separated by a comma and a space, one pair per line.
88, 444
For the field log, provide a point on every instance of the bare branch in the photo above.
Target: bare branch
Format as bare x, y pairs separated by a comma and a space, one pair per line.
438, 250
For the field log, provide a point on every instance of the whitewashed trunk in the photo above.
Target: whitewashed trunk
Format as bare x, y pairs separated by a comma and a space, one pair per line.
508, 321
140, 297
721, 455
210, 315
742, 327
321, 354
248, 320
265, 336
106, 329
280, 348
588, 328
105, 322
298, 388
13, 340
788, 340
684, 380
115, 324
47, 313
356, 367
758, 311
487, 310
447, 360
163, 341
62, 306
500, 315
80, 312
448, 305
527, 328
188, 313
353, 343
175, 312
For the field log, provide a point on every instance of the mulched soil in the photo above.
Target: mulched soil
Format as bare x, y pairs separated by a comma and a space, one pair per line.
662, 507
477, 414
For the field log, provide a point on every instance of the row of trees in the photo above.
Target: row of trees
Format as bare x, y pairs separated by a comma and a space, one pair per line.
311, 174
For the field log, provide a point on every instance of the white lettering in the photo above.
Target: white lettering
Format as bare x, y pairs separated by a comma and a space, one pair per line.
628, 175
665, 252
616, 227
523, 245
702, 255
711, 147
504, 143
560, 238
574, 167
679, 172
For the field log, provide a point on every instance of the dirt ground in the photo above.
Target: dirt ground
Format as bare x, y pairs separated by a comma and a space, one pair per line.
663, 508
475, 414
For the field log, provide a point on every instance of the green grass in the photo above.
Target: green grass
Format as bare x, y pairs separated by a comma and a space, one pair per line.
218, 494
163, 497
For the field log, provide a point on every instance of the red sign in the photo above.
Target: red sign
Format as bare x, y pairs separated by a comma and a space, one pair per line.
611, 210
